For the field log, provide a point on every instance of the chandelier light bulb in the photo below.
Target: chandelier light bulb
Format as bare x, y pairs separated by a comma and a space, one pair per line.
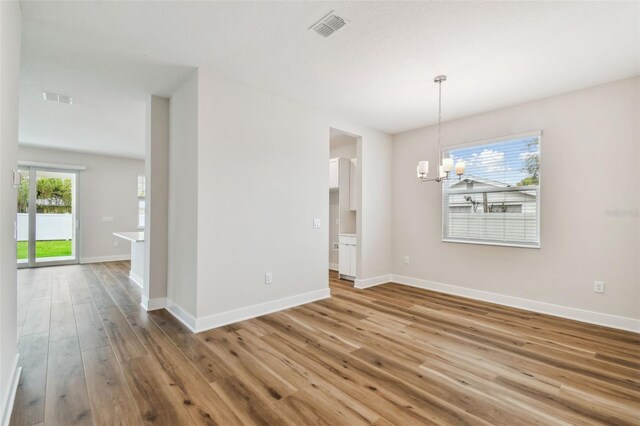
423, 167
447, 164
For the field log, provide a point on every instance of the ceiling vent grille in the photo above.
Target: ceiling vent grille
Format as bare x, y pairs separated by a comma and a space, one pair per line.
57, 97
328, 24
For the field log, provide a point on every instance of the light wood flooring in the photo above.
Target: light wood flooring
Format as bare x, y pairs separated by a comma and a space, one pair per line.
387, 355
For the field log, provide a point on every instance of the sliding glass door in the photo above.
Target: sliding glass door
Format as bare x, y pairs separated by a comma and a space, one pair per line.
46, 223
22, 221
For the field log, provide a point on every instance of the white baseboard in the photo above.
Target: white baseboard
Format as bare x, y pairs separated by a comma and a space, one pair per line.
153, 304
8, 400
241, 314
333, 266
370, 282
99, 259
136, 279
613, 321
181, 315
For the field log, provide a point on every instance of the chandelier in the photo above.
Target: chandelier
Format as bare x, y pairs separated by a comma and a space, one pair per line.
446, 164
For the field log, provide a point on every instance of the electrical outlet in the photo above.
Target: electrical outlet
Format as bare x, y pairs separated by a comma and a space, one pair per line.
598, 286
116, 243
406, 260
268, 278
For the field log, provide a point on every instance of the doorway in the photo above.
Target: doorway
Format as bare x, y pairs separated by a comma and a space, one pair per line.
344, 204
46, 226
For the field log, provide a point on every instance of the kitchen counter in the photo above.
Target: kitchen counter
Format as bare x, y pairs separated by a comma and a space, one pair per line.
136, 237
136, 274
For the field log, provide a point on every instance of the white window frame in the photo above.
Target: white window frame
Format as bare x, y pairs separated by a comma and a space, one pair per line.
139, 198
538, 244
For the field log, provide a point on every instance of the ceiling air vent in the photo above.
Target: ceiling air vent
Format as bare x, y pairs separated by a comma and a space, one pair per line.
328, 24
57, 97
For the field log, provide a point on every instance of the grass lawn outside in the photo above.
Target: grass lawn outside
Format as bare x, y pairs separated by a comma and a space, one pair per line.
57, 248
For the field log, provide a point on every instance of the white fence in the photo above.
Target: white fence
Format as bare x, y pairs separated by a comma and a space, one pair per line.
49, 226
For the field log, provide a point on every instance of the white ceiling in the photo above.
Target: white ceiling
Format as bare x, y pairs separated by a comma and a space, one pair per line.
377, 70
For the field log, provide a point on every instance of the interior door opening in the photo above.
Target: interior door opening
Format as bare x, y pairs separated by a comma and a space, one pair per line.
344, 204
46, 222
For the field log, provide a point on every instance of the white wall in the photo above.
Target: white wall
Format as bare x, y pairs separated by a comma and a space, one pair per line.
343, 146
156, 217
589, 164
183, 193
10, 21
262, 177
107, 188
374, 215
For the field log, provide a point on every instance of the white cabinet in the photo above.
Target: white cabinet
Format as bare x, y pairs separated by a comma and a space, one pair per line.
352, 259
344, 260
354, 189
347, 256
334, 174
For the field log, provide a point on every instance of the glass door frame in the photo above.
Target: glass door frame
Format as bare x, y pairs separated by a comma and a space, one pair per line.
33, 210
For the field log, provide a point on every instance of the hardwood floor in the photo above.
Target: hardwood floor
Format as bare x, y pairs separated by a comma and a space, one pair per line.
387, 355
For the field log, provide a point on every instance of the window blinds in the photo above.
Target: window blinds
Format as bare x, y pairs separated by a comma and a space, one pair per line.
496, 201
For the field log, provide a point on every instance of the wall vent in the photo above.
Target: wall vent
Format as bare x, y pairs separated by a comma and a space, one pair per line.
328, 24
57, 97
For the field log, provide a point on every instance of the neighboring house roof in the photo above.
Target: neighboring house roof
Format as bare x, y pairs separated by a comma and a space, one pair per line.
461, 184
470, 178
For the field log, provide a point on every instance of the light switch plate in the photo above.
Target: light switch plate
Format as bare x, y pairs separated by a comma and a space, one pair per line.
16, 178
268, 278
316, 223
406, 260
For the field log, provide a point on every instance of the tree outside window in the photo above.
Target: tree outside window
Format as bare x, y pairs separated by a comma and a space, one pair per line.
53, 195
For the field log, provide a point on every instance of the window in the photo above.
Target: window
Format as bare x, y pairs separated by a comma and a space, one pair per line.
497, 200
141, 201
